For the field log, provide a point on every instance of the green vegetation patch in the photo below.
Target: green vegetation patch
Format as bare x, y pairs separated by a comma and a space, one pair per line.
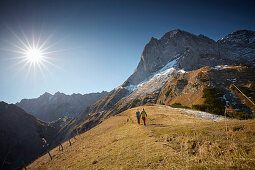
178, 105
252, 86
249, 92
213, 101
240, 115
168, 92
215, 104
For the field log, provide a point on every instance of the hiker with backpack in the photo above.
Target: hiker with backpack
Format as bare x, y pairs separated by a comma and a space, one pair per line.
138, 116
144, 115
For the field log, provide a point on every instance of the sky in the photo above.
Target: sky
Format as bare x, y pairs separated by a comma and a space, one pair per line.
95, 45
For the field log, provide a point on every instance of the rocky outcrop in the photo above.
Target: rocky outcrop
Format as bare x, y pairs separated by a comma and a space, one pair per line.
49, 107
239, 46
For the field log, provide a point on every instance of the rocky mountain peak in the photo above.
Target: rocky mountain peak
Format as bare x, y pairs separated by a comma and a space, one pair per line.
193, 52
239, 46
240, 36
49, 107
45, 95
176, 43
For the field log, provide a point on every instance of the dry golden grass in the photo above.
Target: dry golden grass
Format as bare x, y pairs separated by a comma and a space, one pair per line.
171, 140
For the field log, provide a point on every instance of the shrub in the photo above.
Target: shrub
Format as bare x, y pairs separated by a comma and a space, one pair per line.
252, 86
168, 92
240, 115
194, 85
162, 103
178, 105
213, 102
204, 79
135, 103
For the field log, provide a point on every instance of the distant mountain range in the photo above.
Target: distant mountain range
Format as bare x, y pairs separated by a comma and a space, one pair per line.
50, 107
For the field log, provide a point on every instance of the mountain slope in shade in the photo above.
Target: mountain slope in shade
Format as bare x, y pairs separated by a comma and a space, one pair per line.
22, 136
50, 107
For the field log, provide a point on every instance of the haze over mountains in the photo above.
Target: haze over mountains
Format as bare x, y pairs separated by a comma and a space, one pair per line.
50, 107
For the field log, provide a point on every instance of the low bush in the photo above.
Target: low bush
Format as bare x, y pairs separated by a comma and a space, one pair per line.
178, 105
204, 79
216, 105
252, 86
213, 101
168, 92
240, 115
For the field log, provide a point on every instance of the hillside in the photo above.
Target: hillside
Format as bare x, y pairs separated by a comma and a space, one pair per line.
50, 107
172, 139
22, 136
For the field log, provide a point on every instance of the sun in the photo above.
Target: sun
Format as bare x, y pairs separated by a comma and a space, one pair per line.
34, 55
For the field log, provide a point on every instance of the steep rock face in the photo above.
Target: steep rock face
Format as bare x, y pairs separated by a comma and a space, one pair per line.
22, 136
239, 46
193, 52
49, 107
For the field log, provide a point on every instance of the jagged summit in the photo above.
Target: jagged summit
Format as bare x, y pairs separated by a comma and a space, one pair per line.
177, 43
241, 36
193, 52
239, 46
46, 94
50, 107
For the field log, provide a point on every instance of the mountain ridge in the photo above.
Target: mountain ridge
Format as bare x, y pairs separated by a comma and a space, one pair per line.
50, 107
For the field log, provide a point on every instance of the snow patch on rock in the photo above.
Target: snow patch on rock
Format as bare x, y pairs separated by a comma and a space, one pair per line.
159, 76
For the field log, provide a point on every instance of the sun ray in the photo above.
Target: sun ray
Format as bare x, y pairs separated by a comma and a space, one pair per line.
26, 39
32, 53
18, 38
45, 42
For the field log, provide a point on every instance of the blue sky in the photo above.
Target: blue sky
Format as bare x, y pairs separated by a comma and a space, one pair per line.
99, 43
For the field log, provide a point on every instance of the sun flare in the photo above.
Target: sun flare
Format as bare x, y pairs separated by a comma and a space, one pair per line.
34, 55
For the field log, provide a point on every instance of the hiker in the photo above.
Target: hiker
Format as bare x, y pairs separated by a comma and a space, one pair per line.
143, 114
138, 116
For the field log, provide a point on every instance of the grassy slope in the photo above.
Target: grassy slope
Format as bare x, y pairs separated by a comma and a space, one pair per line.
172, 139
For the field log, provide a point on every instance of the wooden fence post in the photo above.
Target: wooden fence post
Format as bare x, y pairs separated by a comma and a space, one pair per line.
49, 154
60, 145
